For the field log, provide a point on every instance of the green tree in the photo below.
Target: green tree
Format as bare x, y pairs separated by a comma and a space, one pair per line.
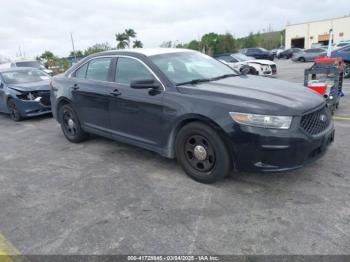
209, 42
137, 44
47, 55
130, 33
167, 44
194, 45
78, 53
122, 40
97, 48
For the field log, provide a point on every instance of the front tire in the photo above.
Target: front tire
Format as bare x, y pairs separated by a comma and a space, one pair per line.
70, 124
202, 153
13, 110
301, 59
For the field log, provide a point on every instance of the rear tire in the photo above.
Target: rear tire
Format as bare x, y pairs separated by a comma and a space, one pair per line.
202, 153
13, 110
70, 124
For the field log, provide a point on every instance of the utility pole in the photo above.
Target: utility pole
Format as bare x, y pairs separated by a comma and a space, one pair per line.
75, 56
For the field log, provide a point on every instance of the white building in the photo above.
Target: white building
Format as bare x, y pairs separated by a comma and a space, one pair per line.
303, 35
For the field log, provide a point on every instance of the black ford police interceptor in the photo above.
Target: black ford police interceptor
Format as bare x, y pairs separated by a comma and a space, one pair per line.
184, 104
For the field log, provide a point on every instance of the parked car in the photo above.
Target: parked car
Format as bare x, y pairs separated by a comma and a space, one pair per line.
258, 53
237, 60
288, 53
31, 63
184, 104
24, 92
342, 44
308, 55
344, 53
276, 51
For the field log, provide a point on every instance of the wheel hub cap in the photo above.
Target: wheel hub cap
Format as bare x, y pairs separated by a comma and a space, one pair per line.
200, 152
70, 123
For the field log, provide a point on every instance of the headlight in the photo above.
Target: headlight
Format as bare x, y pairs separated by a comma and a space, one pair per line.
265, 121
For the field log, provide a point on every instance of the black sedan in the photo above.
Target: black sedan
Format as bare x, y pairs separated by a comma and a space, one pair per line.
24, 92
288, 53
258, 53
184, 104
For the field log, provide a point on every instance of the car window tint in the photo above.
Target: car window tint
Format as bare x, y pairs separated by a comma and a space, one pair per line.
81, 72
129, 69
98, 69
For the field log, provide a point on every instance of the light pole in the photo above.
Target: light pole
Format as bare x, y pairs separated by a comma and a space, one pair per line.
75, 56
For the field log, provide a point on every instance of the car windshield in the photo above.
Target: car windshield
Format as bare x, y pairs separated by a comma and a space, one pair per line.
24, 76
34, 64
242, 57
185, 67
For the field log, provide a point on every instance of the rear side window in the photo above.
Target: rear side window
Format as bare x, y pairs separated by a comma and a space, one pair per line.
129, 69
81, 72
98, 69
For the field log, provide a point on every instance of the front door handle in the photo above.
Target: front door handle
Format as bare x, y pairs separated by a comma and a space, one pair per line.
115, 92
75, 87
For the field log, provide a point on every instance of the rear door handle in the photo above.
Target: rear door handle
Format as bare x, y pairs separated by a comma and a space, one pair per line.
115, 92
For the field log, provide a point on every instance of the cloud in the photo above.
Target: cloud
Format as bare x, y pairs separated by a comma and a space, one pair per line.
39, 25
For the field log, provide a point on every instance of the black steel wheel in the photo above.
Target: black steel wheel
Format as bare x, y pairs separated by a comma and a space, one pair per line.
70, 124
202, 153
13, 110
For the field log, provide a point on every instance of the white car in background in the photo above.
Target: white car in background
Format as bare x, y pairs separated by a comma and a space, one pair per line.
31, 63
258, 66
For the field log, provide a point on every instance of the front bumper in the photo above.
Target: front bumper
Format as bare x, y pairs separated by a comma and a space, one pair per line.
29, 108
269, 150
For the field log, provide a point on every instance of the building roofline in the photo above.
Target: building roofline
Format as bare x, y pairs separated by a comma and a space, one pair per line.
321, 20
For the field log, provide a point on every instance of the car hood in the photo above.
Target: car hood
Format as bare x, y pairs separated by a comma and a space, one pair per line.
36, 86
261, 62
257, 95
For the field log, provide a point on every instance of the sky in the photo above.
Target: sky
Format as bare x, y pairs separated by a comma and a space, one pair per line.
38, 25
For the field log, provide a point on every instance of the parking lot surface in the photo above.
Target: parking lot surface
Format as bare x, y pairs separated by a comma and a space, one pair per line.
104, 197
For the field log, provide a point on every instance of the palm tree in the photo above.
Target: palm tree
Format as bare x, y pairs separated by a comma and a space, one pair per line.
137, 44
122, 39
130, 33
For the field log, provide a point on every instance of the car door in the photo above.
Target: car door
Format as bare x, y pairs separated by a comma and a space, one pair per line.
91, 90
136, 114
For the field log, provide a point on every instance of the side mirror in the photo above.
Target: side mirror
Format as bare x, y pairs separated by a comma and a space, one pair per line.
145, 84
245, 70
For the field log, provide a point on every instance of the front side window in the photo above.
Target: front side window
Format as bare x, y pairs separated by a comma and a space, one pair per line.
81, 72
98, 69
129, 69
187, 66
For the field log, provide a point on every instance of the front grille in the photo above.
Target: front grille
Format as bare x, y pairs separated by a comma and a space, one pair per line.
274, 69
45, 97
316, 122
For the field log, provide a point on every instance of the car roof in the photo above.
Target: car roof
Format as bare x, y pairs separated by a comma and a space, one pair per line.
14, 69
149, 51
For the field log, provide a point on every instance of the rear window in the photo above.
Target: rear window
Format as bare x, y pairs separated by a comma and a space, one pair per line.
24, 76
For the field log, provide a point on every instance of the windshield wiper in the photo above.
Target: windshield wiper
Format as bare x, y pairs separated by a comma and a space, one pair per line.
201, 80
223, 76
195, 81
